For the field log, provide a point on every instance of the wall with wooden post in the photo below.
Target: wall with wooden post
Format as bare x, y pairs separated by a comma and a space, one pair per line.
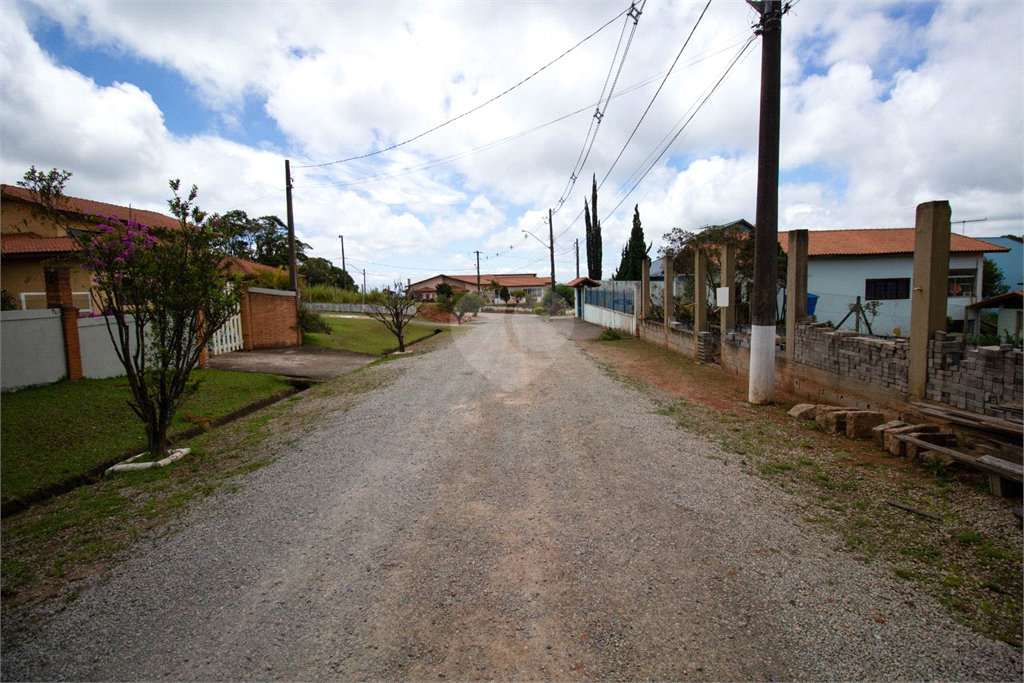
58, 295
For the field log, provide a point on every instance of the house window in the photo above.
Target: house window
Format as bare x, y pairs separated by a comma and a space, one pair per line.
887, 289
961, 282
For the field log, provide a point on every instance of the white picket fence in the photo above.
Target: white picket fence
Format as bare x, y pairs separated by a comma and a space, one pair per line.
229, 337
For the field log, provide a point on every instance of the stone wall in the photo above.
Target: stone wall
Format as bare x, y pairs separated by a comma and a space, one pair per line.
988, 380
881, 362
680, 341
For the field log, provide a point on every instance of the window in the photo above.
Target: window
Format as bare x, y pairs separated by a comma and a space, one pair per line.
887, 289
961, 281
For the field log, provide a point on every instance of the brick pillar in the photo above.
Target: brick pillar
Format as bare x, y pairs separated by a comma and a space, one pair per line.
58, 295
796, 288
930, 287
246, 313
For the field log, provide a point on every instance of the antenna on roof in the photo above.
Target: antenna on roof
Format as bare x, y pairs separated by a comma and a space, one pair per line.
963, 227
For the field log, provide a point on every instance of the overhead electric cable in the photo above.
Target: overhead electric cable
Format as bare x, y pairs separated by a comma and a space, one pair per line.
477, 108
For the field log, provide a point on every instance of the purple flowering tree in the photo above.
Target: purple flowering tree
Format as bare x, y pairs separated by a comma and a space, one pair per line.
165, 293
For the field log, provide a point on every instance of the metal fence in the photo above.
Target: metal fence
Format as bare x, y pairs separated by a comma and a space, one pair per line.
615, 296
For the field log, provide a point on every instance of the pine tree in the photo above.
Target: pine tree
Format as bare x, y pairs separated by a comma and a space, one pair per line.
593, 235
634, 253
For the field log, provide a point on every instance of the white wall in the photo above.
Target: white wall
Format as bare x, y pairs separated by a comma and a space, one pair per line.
608, 318
31, 348
99, 360
839, 281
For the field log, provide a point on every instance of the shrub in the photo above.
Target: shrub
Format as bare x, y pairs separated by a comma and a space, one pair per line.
540, 310
311, 321
610, 335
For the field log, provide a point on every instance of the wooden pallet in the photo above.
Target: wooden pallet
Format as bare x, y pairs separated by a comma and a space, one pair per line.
1004, 477
973, 420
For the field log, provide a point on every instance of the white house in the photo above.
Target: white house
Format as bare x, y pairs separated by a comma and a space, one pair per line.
878, 265
424, 290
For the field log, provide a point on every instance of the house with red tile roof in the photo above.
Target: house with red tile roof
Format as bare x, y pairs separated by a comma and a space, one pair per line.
878, 266
424, 290
28, 243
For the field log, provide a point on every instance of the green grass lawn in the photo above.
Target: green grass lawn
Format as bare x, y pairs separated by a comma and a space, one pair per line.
364, 335
51, 433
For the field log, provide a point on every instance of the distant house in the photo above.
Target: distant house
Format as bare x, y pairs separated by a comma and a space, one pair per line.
1009, 307
27, 244
1010, 262
878, 265
425, 290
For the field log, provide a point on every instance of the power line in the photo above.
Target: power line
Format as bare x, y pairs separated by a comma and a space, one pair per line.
434, 163
478, 107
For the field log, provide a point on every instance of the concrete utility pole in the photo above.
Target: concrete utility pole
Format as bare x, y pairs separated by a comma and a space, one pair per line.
293, 271
342, 238
364, 286
551, 243
766, 241
577, 258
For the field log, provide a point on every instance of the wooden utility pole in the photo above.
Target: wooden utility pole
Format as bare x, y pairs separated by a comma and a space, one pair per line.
577, 258
477, 271
551, 244
764, 295
293, 271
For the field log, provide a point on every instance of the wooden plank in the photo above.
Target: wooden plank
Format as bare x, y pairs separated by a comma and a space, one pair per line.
971, 419
1003, 468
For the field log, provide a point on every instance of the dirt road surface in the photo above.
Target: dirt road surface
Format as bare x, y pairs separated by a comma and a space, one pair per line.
504, 510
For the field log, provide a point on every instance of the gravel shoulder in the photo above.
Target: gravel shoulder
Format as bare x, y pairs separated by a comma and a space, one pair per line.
503, 510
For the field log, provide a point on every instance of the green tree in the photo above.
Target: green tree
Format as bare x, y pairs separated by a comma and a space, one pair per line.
504, 294
443, 289
471, 302
634, 253
395, 311
320, 271
593, 235
519, 295
263, 240
992, 280
166, 291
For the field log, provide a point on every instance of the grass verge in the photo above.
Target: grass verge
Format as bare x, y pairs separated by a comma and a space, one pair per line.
971, 560
50, 546
364, 335
62, 430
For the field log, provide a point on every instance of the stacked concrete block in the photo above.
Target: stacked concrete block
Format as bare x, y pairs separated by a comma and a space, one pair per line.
859, 423
878, 432
881, 362
899, 448
915, 452
986, 380
835, 421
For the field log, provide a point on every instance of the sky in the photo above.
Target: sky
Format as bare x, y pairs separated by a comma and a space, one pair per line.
884, 105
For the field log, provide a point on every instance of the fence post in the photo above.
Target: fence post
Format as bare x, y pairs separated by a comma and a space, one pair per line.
728, 262
645, 288
930, 289
796, 287
246, 313
669, 297
58, 295
700, 291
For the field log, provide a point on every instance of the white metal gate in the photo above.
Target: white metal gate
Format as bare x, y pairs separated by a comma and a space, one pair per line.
229, 337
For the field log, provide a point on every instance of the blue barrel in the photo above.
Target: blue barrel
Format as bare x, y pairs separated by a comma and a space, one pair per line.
812, 302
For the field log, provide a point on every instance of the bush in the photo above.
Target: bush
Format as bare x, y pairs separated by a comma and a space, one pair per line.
311, 321
540, 310
610, 335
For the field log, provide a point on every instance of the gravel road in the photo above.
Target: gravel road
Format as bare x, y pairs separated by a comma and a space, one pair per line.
504, 510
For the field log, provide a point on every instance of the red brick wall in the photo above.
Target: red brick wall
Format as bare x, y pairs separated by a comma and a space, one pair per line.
269, 321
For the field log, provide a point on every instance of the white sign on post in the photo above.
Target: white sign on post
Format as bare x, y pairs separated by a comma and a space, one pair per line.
722, 297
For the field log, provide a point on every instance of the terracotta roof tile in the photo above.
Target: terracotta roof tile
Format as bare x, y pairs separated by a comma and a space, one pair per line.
90, 208
31, 243
876, 242
510, 280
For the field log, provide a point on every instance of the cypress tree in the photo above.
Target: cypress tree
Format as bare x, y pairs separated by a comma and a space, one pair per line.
593, 235
634, 253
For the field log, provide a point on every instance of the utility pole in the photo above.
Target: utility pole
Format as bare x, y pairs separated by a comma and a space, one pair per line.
342, 238
364, 286
764, 294
577, 258
551, 243
293, 271
477, 271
